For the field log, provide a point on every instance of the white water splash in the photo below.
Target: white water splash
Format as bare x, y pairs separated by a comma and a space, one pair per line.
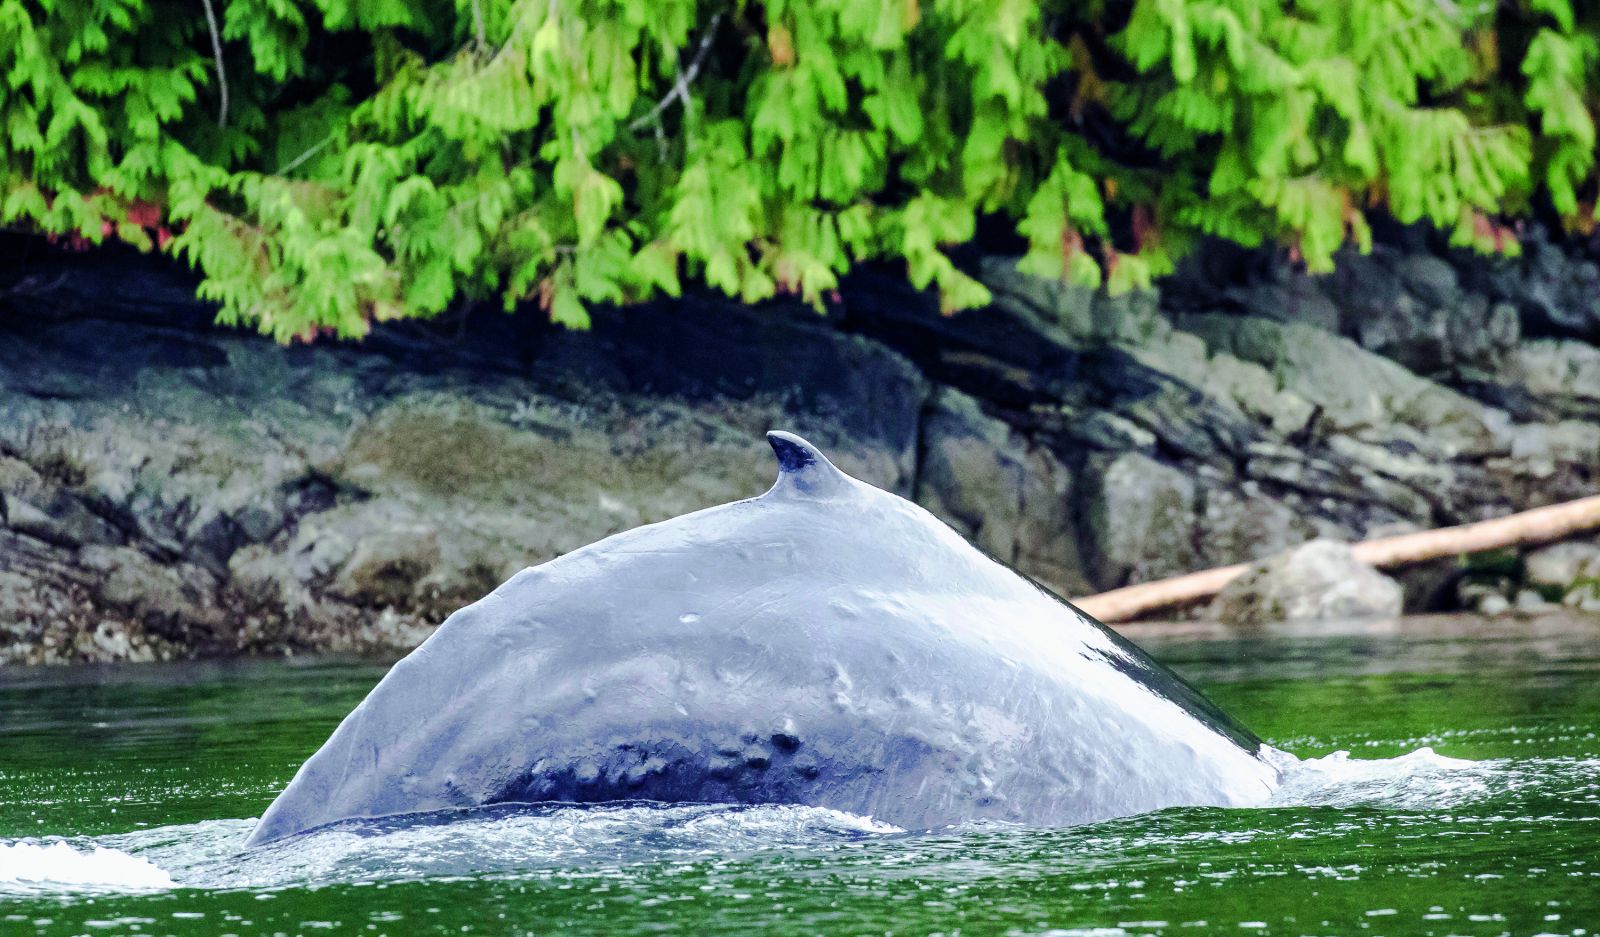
58, 866
1422, 779
520, 840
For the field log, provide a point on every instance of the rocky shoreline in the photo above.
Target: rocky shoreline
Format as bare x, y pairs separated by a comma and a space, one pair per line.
170, 488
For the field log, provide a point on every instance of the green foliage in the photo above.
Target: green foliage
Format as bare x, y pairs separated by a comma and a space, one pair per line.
387, 158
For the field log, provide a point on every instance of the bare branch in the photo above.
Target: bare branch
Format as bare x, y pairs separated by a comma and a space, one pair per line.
216, 52
477, 25
311, 151
680, 87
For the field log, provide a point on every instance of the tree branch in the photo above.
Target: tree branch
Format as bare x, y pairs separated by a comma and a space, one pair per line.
311, 151
216, 52
477, 25
680, 87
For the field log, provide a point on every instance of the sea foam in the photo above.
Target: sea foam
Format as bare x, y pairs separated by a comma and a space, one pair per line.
1422, 779
56, 865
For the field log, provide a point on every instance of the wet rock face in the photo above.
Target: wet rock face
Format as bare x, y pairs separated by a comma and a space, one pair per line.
1412, 309
1321, 579
1011, 497
1557, 377
1140, 518
1554, 287
169, 488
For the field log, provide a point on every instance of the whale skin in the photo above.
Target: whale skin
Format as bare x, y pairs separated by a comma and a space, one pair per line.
827, 643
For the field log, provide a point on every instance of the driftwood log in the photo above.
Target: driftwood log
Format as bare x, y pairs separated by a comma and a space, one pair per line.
1540, 525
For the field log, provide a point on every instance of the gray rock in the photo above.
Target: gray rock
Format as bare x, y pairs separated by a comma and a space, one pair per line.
1484, 596
1493, 604
1047, 532
1096, 429
1141, 518
386, 568
1134, 317
1584, 597
1400, 463
1317, 474
1546, 449
1242, 525
972, 473
1555, 293
1410, 307
1531, 602
1254, 390
1237, 387
1080, 313
1289, 299
1321, 579
61, 519
1430, 278
1050, 304
1012, 499
1563, 566
1503, 328
1354, 388
1564, 376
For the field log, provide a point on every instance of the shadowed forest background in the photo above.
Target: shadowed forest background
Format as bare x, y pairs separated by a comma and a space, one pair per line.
1117, 289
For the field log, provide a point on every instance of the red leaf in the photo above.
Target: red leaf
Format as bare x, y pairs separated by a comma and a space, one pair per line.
144, 214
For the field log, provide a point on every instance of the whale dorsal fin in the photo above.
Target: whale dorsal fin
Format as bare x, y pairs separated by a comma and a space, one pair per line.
803, 470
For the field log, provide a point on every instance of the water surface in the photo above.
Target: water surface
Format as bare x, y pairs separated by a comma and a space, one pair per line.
125, 794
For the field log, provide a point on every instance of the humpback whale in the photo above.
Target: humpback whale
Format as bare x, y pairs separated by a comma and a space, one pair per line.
827, 643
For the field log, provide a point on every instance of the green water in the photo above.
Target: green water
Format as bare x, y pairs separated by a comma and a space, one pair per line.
168, 763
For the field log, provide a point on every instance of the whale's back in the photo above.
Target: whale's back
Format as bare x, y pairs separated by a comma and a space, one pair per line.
827, 643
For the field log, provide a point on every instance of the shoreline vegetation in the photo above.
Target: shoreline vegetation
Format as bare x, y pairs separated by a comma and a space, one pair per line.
325, 167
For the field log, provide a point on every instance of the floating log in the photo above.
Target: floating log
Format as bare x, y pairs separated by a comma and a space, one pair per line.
1540, 525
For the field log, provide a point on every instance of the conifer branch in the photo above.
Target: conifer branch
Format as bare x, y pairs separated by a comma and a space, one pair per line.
888, 141
216, 52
